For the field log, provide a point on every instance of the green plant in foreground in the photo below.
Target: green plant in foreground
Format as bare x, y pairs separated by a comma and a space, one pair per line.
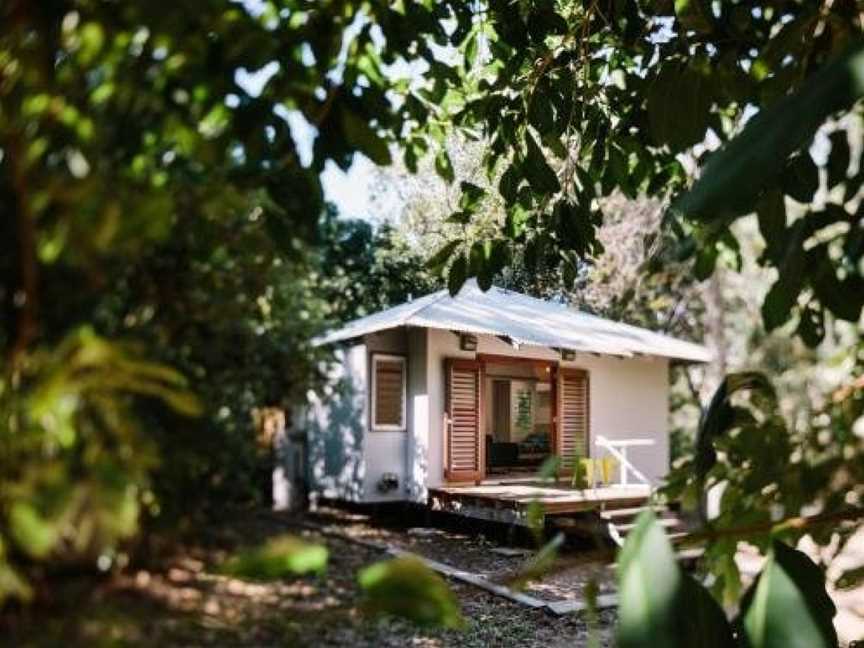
406, 587
74, 461
279, 557
661, 605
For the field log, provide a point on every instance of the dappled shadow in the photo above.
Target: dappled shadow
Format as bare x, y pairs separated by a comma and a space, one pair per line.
418, 469
187, 601
184, 600
141, 609
335, 433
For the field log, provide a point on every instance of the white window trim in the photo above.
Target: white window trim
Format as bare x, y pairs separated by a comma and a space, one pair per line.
388, 427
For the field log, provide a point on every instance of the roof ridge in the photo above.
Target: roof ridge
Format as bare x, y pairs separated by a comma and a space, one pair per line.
441, 294
511, 291
526, 319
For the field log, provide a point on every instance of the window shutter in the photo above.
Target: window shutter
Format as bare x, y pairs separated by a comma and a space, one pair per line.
389, 392
464, 460
573, 416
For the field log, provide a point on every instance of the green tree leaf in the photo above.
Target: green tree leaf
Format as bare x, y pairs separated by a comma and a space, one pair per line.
406, 587
481, 263
470, 47
471, 197
777, 307
788, 606
360, 134
540, 113
440, 258
811, 325
659, 604
461, 217
410, 158
444, 167
721, 415
735, 175
458, 274
508, 185
540, 175
279, 557
706, 260
679, 103
695, 15
544, 21
838, 158
842, 296
800, 179
32, 532
771, 213
853, 186
477, 256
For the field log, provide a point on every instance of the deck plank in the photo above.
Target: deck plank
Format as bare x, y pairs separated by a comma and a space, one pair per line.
555, 498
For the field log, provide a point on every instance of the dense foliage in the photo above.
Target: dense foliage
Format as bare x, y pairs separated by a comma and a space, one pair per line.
163, 263
576, 101
169, 252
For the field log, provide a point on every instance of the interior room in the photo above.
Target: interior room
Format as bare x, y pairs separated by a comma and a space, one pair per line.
518, 417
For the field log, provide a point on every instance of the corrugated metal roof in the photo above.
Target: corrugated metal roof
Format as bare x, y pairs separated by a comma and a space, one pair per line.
525, 320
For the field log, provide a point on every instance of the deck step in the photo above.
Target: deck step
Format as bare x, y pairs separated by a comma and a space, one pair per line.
691, 554
612, 513
620, 522
667, 523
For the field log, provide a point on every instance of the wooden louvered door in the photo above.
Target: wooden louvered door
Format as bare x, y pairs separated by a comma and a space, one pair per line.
464, 449
573, 416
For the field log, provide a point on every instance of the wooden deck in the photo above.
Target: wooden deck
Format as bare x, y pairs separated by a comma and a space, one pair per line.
509, 501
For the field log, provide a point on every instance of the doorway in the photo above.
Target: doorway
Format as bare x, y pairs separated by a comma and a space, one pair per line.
519, 402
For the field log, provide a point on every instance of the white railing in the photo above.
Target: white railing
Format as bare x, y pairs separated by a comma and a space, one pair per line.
618, 449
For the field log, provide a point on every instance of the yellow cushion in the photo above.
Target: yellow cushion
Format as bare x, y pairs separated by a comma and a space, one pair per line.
608, 466
588, 470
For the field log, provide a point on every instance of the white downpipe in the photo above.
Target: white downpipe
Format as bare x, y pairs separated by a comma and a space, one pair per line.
618, 449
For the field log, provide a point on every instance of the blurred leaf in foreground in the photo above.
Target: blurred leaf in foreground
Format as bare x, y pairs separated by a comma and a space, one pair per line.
406, 587
659, 604
76, 459
735, 175
787, 605
279, 557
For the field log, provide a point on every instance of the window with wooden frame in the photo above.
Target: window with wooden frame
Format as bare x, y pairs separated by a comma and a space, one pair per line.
389, 387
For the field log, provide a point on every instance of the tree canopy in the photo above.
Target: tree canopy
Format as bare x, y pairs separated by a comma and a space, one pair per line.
170, 254
576, 100
164, 243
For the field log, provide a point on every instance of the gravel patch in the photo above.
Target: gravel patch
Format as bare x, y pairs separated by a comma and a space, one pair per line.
182, 599
474, 552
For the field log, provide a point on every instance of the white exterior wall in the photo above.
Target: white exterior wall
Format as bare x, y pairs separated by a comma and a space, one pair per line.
419, 415
335, 421
386, 451
629, 399
346, 457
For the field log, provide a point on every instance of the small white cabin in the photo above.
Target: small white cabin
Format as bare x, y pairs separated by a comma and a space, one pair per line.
479, 389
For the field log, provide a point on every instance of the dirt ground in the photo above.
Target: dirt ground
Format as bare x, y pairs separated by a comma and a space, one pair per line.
181, 599
469, 547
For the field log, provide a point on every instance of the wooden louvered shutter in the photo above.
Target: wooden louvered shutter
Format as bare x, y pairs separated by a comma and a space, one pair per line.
388, 392
463, 428
573, 416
